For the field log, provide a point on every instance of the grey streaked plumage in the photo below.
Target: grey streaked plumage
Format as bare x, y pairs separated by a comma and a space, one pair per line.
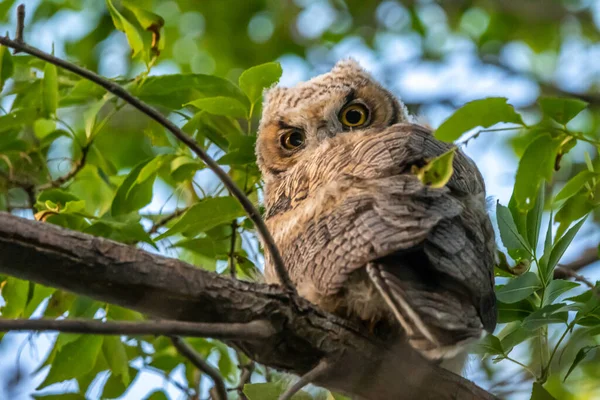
360, 235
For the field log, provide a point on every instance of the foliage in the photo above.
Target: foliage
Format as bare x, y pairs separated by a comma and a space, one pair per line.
80, 158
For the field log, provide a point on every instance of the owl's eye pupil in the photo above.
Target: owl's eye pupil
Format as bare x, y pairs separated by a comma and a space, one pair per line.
292, 140
353, 116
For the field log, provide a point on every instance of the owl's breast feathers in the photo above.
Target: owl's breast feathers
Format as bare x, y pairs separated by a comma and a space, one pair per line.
362, 236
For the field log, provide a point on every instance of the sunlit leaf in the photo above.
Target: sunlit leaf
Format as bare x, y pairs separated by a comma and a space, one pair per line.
536, 164
15, 293
562, 110
50, 89
438, 171
226, 106
205, 215
574, 185
254, 80
114, 352
6, 66
81, 352
484, 113
121, 23
579, 357
539, 393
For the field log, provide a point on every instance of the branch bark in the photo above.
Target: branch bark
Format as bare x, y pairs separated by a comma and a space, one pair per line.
168, 288
20, 46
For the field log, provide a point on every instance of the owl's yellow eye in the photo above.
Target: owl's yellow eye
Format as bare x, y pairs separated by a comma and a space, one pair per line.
354, 115
292, 140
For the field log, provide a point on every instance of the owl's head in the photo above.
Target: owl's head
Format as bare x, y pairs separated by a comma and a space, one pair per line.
297, 120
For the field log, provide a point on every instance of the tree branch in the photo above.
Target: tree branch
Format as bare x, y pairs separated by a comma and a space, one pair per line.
168, 288
78, 166
188, 352
119, 91
254, 330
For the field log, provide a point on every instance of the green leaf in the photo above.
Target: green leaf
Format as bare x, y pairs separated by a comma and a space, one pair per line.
123, 228
183, 168
515, 337
131, 195
205, 215
562, 110
490, 345
82, 353
226, 106
519, 288
484, 113
536, 164
574, 185
207, 247
17, 119
254, 80
50, 89
172, 91
270, 391
158, 394
579, 357
511, 238
121, 23
114, 352
147, 19
514, 311
40, 293
61, 396
534, 219
550, 314
539, 393
573, 209
150, 170
556, 288
560, 247
438, 171
15, 293
6, 66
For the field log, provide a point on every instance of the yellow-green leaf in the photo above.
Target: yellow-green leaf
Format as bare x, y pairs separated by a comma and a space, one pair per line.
121, 23
6, 65
438, 171
254, 80
50, 89
220, 105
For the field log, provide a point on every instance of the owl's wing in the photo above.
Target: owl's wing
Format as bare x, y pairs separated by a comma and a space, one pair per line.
429, 251
440, 285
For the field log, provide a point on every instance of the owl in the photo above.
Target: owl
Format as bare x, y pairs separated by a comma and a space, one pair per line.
360, 235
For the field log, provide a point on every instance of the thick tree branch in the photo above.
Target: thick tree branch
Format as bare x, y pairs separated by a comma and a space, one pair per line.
254, 330
171, 289
112, 87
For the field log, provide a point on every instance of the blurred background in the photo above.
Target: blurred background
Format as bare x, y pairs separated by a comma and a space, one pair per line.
435, 55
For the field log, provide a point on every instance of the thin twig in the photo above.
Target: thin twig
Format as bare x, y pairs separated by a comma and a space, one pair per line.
78, 166
188, 352
232, 269
122, 93
322, 367
563, 272
20, 25
165, 220
588, 256
255, 330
